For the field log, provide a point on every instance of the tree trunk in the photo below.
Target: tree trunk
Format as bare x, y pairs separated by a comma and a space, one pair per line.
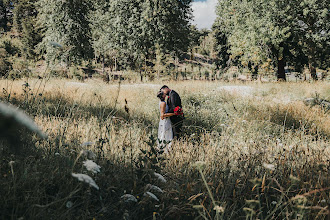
312, 70
5, 19
311, 60
255, 72
141, 75
280, 70
115, 64
103, 64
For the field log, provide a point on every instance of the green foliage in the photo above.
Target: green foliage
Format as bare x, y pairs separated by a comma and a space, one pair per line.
11, 45
66, 23
261, 31
5, 65
5, 17
25, 22
136, 28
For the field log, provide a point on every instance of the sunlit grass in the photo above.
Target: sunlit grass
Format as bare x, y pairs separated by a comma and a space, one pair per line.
238, 135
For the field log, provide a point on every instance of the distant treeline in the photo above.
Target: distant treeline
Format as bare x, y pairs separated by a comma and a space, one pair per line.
258, 35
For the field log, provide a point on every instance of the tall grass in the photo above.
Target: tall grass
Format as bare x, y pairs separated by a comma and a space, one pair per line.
266, 154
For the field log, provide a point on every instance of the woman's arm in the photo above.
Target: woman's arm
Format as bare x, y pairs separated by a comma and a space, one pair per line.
162, 111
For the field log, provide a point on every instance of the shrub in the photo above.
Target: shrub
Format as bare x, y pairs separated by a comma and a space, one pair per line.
5, 65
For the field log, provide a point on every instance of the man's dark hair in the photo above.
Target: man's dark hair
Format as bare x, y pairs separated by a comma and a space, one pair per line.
164, 87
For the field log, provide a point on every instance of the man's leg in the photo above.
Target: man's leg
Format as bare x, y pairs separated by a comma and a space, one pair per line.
177, 129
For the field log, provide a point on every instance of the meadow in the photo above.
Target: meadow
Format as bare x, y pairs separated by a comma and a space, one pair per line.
249, 151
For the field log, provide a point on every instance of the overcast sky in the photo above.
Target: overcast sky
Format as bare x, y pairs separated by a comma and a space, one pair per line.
204, 13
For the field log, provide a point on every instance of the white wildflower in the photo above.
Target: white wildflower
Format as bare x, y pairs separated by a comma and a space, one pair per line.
91, 166
85, 178
16, 115
269, 166
244, 121
280, 145
88, 143
219, 209
69, 204
55, 44
200, 165
128, 198
274, 202
160, 177
151, 195
57, 154
154, 188
11, 163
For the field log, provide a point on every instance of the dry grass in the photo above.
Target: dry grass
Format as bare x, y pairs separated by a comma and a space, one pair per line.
235, 132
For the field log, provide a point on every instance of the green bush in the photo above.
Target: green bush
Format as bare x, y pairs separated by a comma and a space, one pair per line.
11, 45
5, 65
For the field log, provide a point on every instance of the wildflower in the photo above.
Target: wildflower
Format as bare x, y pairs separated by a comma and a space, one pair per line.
19, 117
151, 195
85, 178
88, 143
244, 121
219, 209
69, 204
200, 165
91, 166
294, 179
57, 154
154, 188
274, 203
128, 198
160, 177
198, 207
55, 44
299, 199
11, 163
269, 166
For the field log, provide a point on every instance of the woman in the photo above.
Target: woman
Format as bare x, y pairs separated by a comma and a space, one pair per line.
165, 131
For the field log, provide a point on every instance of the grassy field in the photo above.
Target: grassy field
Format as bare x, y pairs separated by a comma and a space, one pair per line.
261, 153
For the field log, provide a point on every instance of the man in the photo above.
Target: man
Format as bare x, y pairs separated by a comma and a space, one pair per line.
173, 101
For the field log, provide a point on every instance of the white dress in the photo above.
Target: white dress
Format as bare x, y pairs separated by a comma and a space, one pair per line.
165, 132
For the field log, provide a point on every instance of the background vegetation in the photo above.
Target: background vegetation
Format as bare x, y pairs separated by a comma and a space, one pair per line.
250, 150
153, 39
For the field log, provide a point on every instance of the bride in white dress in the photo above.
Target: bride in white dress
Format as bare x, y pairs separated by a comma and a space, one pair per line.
165, 132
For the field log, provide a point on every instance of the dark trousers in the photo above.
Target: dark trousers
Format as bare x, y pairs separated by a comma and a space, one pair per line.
177, 127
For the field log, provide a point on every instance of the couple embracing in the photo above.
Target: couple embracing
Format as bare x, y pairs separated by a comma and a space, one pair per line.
171, 117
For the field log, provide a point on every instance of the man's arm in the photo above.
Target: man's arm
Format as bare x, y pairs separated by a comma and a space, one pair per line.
175, 101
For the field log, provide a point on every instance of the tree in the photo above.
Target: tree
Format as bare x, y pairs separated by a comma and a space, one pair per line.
221, 47
5, 7
311, 25
256, 31
260, 30
66, 23
25, 22
138, 30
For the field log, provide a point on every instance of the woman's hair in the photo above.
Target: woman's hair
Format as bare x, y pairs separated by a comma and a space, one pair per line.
160, 95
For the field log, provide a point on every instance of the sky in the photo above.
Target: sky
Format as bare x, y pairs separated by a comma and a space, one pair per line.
204, 13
